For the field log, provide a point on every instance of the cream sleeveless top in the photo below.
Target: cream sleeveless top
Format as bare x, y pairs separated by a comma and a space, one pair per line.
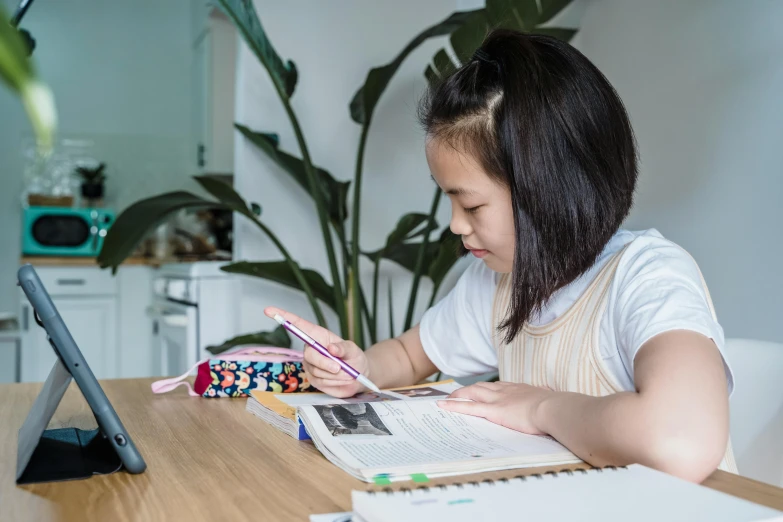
564, 354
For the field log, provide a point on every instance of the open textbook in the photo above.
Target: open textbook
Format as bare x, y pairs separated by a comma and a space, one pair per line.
280, 409
391, 440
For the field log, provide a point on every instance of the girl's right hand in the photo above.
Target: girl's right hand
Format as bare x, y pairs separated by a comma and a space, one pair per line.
322, 372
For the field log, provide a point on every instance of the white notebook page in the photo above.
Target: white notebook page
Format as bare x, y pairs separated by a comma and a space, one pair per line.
635, 493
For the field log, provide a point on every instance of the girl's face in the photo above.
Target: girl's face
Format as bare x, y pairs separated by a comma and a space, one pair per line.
481, 211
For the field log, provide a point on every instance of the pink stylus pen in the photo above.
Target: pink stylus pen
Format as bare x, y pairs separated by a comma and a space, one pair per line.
323, 351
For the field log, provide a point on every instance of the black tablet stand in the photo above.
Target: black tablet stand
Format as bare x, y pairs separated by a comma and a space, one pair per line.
64, 453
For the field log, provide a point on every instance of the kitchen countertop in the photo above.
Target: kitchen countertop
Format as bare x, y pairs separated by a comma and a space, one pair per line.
91, 261
82, 261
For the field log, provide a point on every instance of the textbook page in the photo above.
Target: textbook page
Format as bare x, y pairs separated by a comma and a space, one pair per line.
404, 437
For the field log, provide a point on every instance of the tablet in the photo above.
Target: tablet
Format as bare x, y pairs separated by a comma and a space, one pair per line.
71, 361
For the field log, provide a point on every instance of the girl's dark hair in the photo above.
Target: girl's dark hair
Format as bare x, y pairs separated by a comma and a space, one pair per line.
541, 119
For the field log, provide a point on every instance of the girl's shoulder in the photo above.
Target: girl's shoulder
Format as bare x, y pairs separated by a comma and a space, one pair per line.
658, 287
649, 255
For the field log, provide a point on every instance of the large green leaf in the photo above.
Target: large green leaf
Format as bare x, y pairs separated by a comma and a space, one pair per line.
16, 69
17, 72
138, 219
397, 247
277, 337
443, 64
513, 13
405, 254
335, 192
549, 8
468, 37
409, 227
448, 254
439, 258
556, 32
521, 15
244, 16
366, 98
227, 195
282, 273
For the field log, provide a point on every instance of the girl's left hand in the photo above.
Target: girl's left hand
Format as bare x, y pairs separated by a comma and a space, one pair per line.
511, 405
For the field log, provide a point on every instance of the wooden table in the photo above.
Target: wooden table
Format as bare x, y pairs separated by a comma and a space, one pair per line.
207, 459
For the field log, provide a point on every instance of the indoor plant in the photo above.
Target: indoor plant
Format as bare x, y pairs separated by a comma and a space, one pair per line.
18, 73
92, 185
409, 244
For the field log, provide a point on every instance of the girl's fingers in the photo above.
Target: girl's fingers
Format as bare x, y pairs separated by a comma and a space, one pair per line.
339, 389
272, 311
314, 358
475, 392
331, 383
337, 349
494, 386
476, 409
320, 334
321, 374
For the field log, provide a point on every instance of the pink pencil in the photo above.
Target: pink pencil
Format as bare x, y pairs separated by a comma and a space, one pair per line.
323, 351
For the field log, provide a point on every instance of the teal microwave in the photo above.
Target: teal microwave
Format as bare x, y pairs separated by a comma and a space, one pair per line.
62, 231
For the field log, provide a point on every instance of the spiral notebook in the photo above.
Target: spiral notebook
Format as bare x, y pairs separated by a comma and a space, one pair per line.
634, 493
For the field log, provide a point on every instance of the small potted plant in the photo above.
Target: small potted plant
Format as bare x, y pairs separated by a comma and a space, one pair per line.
92, 183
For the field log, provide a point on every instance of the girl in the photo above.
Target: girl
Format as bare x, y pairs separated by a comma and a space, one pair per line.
604, 339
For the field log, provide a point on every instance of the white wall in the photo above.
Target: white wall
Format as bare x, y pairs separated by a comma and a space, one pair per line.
334, 46
702, 81
120, 72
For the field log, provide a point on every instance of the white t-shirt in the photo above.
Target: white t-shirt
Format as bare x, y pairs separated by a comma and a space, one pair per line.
657, 288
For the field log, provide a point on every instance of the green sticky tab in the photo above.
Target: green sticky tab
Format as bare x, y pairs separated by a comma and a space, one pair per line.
419, 477
381, 480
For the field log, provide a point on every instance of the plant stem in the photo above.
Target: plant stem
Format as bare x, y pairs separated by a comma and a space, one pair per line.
368, 318
435, 289
355, 221
297, 273
391, 311
420, 264
352, 305
323, 218
374, 322
346, 256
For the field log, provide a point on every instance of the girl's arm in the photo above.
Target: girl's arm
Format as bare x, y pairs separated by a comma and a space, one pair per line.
400, 361
676, 421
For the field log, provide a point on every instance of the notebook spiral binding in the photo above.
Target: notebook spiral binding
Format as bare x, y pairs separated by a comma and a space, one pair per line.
492, 482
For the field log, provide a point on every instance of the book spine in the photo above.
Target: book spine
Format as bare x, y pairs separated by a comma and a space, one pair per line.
303, 435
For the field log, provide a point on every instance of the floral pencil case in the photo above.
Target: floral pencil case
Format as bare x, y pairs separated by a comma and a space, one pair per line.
235, 374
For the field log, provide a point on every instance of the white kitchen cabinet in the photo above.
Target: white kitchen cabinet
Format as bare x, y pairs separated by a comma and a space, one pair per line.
213, 72
105, 314
92, 322
134, 292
